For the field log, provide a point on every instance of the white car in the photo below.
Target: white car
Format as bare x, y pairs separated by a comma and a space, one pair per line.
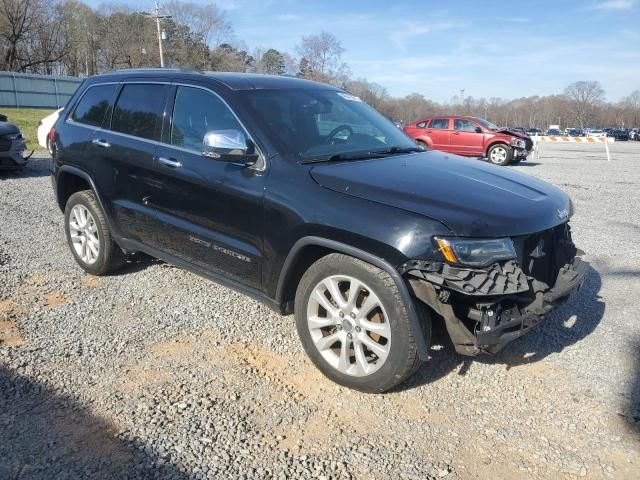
44, 127
596, 133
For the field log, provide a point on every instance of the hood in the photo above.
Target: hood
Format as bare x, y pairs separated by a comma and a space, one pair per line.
504, 131
470, 197
7, 128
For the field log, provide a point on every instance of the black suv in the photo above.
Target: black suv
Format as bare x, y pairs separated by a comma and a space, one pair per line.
299, 194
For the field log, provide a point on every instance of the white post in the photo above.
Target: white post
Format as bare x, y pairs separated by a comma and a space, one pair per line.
606, 147
159, 35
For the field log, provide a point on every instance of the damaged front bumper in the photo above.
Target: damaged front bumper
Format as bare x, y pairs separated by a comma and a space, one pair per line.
485, 309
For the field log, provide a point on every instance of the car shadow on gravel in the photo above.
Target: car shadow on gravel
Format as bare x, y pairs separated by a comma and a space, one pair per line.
36, 167
567, 325
46, 435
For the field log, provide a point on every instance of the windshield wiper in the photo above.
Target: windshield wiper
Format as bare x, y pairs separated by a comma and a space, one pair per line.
338, 157
399, 150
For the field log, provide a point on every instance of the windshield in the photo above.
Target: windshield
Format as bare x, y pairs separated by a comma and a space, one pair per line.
487, 124
316, 124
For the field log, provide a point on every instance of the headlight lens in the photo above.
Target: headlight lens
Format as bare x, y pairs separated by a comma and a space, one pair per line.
475, 252
518, 142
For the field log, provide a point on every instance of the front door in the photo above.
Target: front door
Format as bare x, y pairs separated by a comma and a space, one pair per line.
211, 210
465, 139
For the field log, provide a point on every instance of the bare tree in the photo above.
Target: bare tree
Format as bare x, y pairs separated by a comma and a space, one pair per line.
207, 24
30, 36
321, 57
584, 97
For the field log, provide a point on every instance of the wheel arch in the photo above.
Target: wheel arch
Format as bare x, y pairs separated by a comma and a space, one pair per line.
70, 180
308, 250
493, 143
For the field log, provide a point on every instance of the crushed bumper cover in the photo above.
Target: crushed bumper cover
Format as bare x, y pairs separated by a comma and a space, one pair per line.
485, 309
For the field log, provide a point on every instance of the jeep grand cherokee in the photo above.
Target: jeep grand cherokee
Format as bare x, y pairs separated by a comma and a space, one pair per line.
300, 195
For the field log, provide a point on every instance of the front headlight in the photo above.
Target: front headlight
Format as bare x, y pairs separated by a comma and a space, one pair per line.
518, 142
475, 252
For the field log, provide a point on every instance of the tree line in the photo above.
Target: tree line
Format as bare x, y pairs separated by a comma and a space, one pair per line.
67, 37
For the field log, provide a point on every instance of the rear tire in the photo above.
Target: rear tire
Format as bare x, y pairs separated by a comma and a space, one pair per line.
500, 154
88, 235
354, 326
422, 144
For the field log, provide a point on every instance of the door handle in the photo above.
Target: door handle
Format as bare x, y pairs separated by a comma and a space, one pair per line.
101, 143
169, 162
456, 133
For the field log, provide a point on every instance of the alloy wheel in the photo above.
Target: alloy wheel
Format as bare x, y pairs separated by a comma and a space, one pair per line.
348, 325
84, 234
499, 155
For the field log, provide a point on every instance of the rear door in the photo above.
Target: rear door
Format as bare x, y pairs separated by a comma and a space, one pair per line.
210, 210
465, 140
124, 153
439, 130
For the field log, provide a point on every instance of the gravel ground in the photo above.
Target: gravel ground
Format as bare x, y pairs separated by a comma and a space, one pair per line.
157, 373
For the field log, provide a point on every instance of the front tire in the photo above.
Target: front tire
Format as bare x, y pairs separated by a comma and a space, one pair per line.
354, 326
89, 237
500, 154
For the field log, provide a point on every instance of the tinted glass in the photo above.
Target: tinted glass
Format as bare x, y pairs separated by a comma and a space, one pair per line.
93, 105
320, 123
464, 125
439, 123
197, 112
138, 110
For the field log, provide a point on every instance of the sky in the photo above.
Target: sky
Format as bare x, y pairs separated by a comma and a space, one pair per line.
487, 48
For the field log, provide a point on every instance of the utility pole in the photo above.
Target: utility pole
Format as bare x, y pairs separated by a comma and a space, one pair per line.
157, 17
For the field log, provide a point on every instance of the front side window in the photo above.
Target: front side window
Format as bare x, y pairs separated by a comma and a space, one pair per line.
317, 124
421, 124
439, 124
138, 110
464, 125
93, 105
197, 112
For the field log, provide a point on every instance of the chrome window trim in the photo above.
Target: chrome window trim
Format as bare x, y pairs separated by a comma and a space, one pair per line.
263, 157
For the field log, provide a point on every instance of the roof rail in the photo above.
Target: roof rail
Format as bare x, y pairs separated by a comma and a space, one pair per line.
153, 69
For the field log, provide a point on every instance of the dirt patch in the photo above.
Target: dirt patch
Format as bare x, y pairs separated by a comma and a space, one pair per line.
89, 281
10, 335
6, 307
140, 378
55, 300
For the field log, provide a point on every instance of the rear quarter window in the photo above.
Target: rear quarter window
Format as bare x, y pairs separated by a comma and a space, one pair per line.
93, 105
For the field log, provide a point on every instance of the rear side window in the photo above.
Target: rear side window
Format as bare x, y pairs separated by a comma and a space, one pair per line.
421, 124
93, 105
439, 124
138, 110
197, 112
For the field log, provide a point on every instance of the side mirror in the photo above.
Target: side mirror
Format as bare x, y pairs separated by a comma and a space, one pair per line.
478, 130
229, 146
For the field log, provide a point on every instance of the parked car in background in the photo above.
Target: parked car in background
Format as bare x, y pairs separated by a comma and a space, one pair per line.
471, 137
534, 132
44, 127
596, 133
634, 134
12, 147
554, 132
300, 195
573, 132
619, 135
518, 130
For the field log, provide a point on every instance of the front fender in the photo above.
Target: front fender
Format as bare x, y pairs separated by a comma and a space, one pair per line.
339, 247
